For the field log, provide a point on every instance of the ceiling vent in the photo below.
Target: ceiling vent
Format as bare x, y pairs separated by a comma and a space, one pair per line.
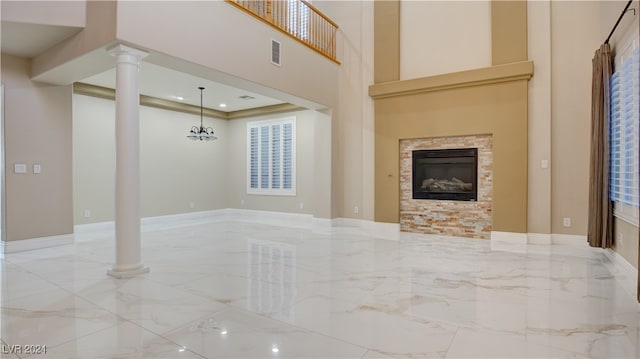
275, 52
247, 97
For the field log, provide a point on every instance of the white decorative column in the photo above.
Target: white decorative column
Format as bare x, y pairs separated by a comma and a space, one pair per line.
128, 261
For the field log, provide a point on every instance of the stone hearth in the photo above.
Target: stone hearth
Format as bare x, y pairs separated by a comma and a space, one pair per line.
447, 217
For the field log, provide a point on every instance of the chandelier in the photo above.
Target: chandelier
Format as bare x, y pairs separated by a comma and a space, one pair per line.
201, 133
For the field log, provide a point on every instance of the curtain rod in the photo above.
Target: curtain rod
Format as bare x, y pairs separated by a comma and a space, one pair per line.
626, 8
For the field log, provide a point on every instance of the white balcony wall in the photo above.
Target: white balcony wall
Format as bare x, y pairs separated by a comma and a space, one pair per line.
217, 35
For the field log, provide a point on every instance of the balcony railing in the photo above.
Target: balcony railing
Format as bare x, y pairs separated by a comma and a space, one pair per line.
298, 19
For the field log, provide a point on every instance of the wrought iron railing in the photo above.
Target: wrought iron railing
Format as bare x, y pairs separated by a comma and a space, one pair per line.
297, 18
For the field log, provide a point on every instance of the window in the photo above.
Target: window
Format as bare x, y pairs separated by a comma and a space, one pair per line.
624, 132
271, 157
299, 19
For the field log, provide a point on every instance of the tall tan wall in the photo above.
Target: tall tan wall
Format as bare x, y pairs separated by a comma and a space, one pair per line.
37, 121
496, 109
576, 34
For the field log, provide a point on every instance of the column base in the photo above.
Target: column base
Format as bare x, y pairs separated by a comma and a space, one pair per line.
128, 273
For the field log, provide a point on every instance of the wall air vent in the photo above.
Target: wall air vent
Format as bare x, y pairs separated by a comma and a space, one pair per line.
275, 52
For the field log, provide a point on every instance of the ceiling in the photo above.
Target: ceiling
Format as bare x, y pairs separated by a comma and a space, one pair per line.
168, 84
30, 40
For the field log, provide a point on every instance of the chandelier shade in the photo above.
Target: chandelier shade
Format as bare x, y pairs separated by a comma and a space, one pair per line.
201, 133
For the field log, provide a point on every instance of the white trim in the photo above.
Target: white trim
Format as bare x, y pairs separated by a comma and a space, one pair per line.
37, 243
285, 219
624, 271
81, 230
158, 223
321, 223
509, 237
621, 212
258, 125
347, 222
569, 239
539, 238
509, 242
383, 230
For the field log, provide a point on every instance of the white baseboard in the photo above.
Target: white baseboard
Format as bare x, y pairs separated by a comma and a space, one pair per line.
384, 230
158, 223
149, 224
569, 239
293, 220
539, 238
347, 222
36, 243
509, 237
625, 272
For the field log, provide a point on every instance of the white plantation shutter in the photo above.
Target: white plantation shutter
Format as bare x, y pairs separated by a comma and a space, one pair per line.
253, 157
624, 128
271, 157
287, 155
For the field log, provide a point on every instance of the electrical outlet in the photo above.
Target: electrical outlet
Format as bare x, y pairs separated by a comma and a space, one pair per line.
87, 213
620, 239
356, 210
301, 205
192, 205
566, 221
242, 202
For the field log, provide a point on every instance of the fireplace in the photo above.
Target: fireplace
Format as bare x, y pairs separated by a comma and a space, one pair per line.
445, 174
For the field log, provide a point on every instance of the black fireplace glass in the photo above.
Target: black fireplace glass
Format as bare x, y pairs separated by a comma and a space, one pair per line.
449, 174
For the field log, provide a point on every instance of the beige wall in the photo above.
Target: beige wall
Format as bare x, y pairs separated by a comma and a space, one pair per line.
562, 38
37, 130
499, 109
626, 241
353, 133
174, 170
539, 51
100, 31
438, 37
306, 174
508, 31
576, 34
455, 105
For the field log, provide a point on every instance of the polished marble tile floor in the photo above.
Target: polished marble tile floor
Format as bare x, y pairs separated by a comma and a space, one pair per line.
241, 290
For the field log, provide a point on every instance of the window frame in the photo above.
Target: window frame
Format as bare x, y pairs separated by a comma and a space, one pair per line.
281, 191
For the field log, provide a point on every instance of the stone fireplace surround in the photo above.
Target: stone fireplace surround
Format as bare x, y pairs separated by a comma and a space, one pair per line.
492, 101
447, 217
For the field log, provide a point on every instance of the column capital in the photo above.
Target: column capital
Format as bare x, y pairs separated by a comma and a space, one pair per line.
120, 49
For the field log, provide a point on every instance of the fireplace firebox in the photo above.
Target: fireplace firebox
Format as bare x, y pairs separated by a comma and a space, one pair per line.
449, 174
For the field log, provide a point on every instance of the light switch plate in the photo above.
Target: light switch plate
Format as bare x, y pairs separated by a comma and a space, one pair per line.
20, 168
36, 168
